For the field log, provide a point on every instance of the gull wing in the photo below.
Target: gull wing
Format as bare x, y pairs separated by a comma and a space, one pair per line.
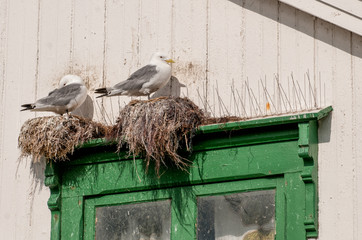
61, 96
138, 78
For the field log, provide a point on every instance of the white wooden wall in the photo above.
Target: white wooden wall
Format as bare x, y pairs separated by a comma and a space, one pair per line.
217, 45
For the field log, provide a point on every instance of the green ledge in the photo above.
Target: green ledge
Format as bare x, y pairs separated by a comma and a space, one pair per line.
266, 121
221, 127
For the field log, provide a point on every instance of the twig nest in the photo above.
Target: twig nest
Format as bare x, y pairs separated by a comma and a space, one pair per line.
259, 235
157, 129
56, 136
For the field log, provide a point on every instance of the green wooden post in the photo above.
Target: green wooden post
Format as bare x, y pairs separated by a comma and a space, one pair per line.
72, 222
52, 181
308, 151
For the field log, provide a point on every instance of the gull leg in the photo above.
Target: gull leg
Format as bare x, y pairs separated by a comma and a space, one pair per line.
68, 114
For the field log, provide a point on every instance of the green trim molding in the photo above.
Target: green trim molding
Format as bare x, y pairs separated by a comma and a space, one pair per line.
278, 153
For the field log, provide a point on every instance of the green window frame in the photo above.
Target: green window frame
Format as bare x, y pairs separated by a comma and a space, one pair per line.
272, 153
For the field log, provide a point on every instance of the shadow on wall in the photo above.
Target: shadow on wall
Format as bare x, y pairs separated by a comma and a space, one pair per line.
172, 88
85, 110
324, 129
290, 18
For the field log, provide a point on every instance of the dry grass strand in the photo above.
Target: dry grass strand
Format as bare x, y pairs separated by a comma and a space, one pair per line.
157, 129
55, 136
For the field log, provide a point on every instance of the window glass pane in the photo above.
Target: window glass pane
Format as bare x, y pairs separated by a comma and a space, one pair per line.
141, 221
244, 216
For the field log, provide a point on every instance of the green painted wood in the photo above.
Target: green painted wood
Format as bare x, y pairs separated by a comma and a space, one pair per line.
72, 218
183, 203
271, 153
243, 137
210, 166
280, 206
295, 207
268, 121
52, 181
55, 225
308, 151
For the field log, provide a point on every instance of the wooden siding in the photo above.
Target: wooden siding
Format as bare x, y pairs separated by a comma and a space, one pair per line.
218, 45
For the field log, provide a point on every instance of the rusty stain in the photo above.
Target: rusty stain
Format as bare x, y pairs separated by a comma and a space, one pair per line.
56, 217
190, 66
72, 187
189, 72
79, 202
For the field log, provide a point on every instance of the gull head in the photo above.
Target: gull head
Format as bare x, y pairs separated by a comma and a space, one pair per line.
160, 57
68, 79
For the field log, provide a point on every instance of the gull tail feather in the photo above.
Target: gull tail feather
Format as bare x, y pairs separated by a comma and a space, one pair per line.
27, 107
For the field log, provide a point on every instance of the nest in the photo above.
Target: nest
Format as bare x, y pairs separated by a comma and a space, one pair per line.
157, 129
257, 235
54, 137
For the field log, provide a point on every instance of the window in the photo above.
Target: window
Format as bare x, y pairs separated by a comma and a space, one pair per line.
247, 179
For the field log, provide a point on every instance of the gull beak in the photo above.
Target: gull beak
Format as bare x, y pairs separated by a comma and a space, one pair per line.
170, 60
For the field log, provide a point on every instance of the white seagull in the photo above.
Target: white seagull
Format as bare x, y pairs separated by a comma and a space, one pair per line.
144, 81
70, 95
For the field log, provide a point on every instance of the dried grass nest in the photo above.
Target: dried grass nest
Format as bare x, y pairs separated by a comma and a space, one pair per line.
157, 129
56, 136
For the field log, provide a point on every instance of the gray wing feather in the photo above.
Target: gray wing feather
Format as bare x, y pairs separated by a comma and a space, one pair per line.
138, 78
61, 96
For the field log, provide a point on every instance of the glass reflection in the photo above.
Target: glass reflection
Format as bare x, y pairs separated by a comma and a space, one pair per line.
141, 221
241, 216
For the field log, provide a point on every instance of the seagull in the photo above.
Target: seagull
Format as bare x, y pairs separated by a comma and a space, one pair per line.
70, 95
144, 81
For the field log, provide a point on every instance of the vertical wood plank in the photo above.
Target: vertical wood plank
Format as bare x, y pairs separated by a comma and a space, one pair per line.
260, 52
54, 46
72, 224
121, 56
288, 62
189, 46
304, 55
327, 160
342, 90
155, 28
3, 62
224, 50
114, 56
155, 33
357, 134
269, 11
88, 44
296, 44
18, 77
333, 59
295, 203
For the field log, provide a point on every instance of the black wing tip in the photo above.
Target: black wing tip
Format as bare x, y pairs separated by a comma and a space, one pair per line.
27, 107
102, 91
